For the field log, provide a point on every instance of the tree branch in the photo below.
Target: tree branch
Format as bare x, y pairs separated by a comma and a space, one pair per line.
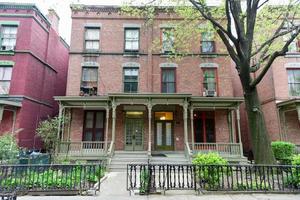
276, 54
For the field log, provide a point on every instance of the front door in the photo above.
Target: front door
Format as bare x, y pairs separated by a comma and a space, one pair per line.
134, 134
164, 135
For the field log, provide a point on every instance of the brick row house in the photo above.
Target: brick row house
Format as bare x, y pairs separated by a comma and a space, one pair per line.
123, 96
33, 69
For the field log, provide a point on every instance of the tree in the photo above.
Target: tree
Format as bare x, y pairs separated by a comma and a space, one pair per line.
48, 130
239, 24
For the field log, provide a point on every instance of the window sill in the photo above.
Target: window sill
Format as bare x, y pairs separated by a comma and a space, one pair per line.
7, 52
292, 55
208, 55
131, 54
91, 51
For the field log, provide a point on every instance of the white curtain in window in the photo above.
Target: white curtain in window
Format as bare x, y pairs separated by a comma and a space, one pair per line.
92, 34
92, 45
4, 87
89, 74
132, 39
5, 73
131, 72
9, 36
167, 40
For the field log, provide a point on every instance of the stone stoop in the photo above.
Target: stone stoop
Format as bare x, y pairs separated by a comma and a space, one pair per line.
169, 158
121, 158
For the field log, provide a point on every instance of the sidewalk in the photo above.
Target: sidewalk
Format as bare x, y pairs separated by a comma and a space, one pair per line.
114, 188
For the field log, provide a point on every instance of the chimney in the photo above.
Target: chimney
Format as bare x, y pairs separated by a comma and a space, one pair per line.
53, 18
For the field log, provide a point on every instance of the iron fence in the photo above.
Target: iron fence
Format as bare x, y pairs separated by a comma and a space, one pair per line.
253, 178
50, 178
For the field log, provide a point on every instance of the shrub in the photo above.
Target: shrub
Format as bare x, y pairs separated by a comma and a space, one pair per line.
283, 151
9, 149
207, 174
294, 180
145, 180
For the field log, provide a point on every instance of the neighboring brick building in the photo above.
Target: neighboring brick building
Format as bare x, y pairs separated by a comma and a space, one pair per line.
33, 69
122, 95
279, 93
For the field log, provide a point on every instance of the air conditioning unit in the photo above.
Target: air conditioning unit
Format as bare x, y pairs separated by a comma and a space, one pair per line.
210, 93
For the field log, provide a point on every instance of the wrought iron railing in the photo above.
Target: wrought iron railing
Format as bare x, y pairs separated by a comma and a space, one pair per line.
83, 148
230, 149
255, 178
50, 178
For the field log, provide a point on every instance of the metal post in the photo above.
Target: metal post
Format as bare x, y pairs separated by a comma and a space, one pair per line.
106, 128
192, 126
113, 132
239, 130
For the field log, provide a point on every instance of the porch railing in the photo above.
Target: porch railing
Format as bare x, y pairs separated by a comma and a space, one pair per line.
83, 148
230, 149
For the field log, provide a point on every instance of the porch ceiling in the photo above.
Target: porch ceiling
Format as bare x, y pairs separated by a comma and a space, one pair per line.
216, 102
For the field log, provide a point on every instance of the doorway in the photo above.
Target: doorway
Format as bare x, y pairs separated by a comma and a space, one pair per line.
164, 131
134, 131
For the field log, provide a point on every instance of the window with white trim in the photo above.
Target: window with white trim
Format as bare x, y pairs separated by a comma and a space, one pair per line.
5, 78
89, 81
92, 38
132, 37
294, 82
131, 79
8, 37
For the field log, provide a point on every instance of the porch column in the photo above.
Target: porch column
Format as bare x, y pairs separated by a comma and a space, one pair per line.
149, 127
1, 112
239, 129
113, 128
298, 111
192, 126
59, 124
106, 128
185, 118
14, 121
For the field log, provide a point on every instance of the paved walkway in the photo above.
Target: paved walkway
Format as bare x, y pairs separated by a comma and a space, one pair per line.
114, 188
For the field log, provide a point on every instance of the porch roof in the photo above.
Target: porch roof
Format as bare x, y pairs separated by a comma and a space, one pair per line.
216, 102
83, 101
289, 104
10, 103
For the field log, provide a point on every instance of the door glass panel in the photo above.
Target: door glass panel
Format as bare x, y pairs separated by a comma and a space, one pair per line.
99, 119
138, 133
168, 133
210, 129
159, 133
89, 118
88, 136
129, 132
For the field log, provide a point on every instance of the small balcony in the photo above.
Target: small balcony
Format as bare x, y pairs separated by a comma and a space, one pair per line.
83, 148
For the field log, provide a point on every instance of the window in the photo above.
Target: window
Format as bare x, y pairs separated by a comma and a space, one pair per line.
294, 46
131, 80
93, 126
89, 81
8, 37
209, 82
92, 37
294, 82
132, 36
167, 39
5, 77
207, 43
168, 81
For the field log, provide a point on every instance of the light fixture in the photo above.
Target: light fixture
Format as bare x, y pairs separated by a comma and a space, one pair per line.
162, 118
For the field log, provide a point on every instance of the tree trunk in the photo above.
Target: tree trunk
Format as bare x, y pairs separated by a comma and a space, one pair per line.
261, 145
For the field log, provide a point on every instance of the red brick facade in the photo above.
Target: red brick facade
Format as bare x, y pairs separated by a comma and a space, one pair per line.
39, 72
110, 60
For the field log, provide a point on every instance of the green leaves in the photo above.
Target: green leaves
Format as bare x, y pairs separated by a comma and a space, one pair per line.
9, 149
283, 151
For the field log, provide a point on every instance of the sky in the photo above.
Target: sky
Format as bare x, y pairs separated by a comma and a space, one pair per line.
62, 7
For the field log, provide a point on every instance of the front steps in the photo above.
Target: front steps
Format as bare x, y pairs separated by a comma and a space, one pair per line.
121, 158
